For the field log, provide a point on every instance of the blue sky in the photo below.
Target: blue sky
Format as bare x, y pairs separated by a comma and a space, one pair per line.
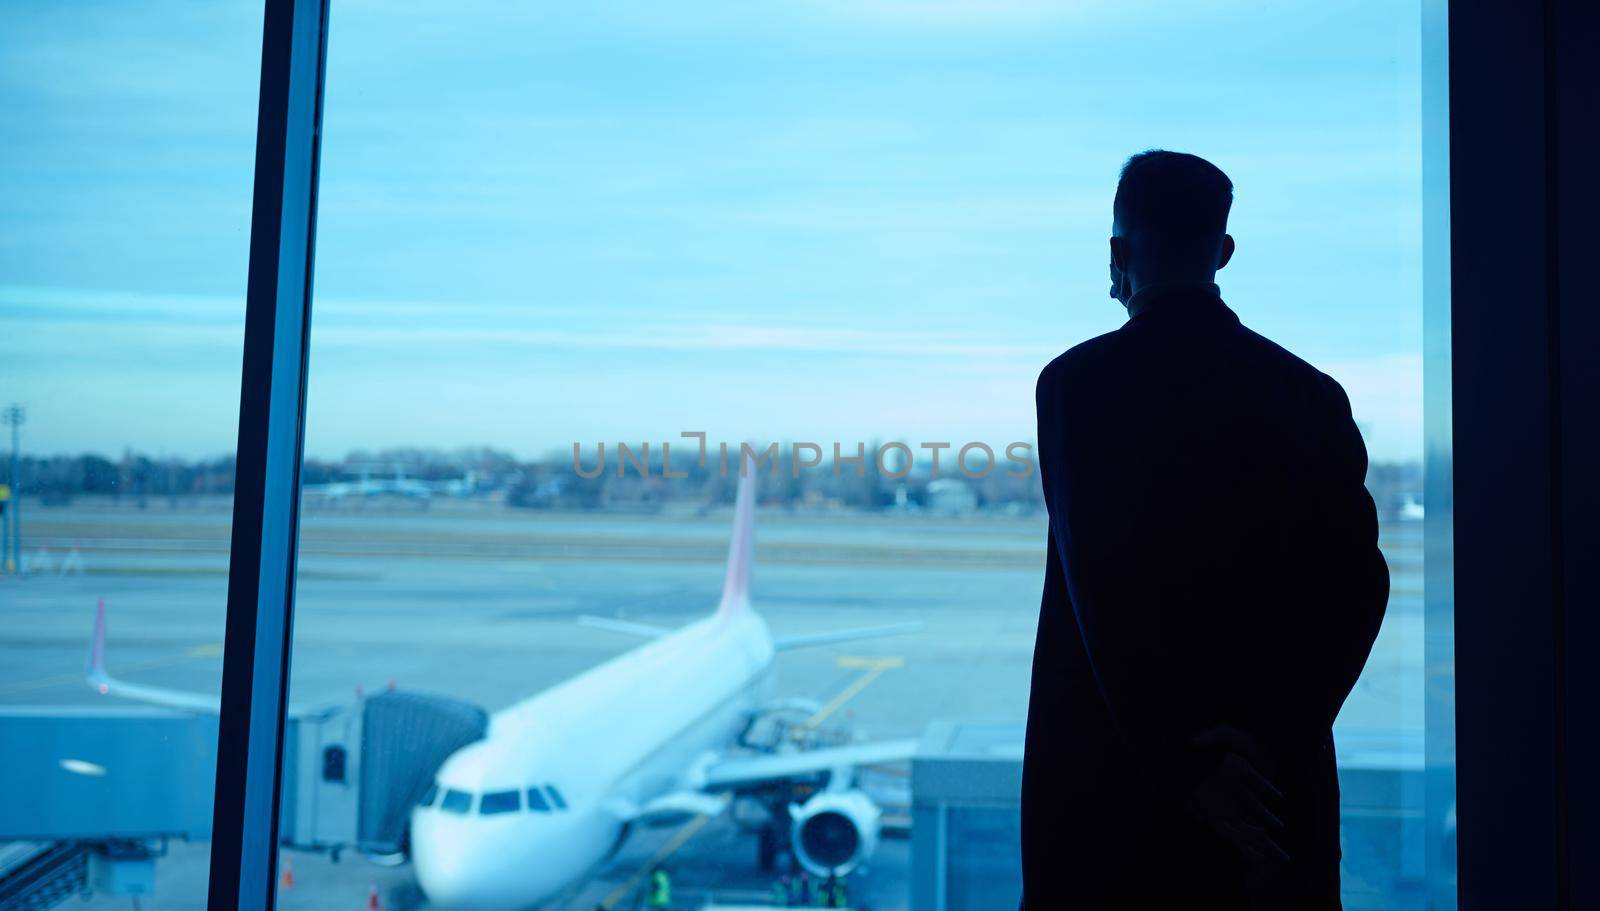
823, 220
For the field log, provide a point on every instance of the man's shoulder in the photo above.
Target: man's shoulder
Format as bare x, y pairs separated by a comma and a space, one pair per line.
1289, 367
1275, 353
1101, 360
1081, 363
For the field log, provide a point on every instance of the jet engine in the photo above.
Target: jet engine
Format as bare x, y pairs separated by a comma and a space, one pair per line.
834, 832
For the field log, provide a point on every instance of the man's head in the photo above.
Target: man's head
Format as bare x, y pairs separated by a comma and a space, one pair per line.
1169, 221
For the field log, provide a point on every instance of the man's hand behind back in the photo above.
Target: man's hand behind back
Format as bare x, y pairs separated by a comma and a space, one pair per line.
1235, 798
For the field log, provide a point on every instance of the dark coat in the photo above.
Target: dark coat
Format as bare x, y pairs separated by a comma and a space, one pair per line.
1212, 560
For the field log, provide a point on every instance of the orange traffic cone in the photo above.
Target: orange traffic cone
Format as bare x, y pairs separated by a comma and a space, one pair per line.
372, 898
286, 881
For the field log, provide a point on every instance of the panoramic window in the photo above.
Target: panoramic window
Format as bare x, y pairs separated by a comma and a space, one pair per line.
129, 144
577, 267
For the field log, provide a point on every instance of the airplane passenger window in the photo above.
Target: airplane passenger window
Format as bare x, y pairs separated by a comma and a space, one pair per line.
571, 258
500, 802
456, 801
556, 798
129, 140
536, 801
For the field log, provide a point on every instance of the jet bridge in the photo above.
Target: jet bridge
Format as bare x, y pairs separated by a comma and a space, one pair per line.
90, 797
406, 737
361, 768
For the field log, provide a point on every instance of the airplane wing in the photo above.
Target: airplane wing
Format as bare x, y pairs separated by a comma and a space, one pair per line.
643, 630
708, 791
741, 771
670, 808
154, 695
806, 640
104, 683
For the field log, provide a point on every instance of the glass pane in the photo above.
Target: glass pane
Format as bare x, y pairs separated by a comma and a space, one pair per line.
129, 147
854, 232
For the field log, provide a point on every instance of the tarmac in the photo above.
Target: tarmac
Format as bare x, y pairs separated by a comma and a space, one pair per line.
481, 602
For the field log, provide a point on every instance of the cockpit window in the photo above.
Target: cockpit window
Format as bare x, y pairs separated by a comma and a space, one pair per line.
499, 802
429, 796
536, 801
556, 798
456, 801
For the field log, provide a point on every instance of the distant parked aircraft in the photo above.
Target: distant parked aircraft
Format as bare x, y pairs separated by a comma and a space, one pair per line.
370, 485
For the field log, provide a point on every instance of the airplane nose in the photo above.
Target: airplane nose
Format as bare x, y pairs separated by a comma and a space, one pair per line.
470, 894
459, 872
478, 887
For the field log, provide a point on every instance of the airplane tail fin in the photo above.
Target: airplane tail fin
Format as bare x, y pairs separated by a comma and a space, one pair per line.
101, 681
741, 549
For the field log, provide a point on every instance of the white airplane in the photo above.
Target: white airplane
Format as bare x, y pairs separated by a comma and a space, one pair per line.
649, 737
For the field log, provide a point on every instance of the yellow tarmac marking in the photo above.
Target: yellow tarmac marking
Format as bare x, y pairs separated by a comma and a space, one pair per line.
40, 683
871, 669
668, 849
209, 650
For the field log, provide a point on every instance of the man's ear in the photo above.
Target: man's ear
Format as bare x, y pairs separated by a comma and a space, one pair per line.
1119, 269
1119, 254
1227, 250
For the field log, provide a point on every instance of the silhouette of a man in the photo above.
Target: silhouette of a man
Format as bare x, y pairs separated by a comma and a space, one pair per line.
1212, 591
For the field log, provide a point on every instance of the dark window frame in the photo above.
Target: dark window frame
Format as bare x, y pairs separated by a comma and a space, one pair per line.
1513, 445
261, 563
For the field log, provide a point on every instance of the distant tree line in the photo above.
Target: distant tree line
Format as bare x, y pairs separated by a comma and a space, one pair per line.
550, 482
554, 484
60, 478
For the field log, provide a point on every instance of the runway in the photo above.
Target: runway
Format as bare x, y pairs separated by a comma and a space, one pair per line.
480, 602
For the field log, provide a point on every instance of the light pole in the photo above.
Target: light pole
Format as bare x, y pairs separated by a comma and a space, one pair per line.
15, 416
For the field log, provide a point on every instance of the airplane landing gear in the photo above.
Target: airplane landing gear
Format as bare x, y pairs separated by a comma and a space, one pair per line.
773, 851
767, 849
